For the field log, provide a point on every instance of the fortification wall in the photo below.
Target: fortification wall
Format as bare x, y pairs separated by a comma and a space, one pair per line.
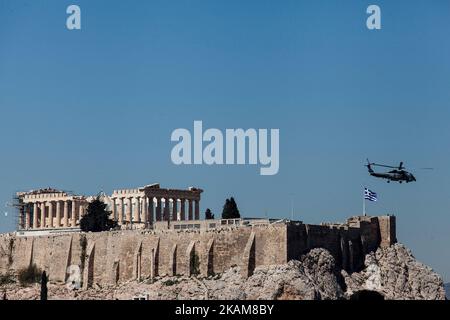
388, 230
347, 243
109, 257
120, 256
343, 243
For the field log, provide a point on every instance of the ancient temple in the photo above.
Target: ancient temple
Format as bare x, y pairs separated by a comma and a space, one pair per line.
138, 208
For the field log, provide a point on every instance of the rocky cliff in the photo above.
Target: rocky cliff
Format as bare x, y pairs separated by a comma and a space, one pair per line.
396, 274
392, 273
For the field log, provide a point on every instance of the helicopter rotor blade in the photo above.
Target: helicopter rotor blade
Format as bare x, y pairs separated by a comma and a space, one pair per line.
420, 168
399, 167
383, 165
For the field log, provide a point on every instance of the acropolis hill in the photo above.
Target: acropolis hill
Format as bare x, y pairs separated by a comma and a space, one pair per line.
158, 238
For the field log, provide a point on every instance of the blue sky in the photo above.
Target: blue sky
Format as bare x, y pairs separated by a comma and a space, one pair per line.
94, 109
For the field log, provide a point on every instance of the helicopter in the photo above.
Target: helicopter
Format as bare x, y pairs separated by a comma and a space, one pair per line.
398, 174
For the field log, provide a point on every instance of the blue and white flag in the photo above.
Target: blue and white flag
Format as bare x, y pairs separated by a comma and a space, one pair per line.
370, 195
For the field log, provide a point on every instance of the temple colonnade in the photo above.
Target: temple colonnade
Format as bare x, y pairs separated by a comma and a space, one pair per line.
51, 208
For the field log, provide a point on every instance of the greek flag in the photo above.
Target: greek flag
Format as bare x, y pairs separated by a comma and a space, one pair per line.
370, 195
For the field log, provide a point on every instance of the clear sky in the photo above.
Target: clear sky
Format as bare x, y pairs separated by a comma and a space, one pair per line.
94, 109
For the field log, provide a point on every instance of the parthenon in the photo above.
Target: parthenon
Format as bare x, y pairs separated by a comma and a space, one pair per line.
138, 208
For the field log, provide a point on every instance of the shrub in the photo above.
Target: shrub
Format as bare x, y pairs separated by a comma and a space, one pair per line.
170, 282
29, 275
7, 278
209, 215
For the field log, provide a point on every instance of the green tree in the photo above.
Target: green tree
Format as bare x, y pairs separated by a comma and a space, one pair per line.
97, 218
230, 210
208, 214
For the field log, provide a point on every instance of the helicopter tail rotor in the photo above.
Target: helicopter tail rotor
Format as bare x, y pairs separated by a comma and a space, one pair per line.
369, 166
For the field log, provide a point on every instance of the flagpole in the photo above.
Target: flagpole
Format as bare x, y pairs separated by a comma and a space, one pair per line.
364, 204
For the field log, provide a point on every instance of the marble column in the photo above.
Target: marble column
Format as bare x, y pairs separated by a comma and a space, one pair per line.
58, 214
166, 209
150, 217
35, 215
197, 209
182, 209
42, 215
73, 218
129, 207
190, 217
81, 211
50, 214
144, 210
66, 214
137, 211
175, 209
158, 209
114, 210
27, 216
120, 211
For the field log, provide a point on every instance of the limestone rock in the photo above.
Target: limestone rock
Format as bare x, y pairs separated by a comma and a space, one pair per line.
312, 278
396, 274
392, 272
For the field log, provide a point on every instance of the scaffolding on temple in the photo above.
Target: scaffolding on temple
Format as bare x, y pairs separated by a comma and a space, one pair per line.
18, 205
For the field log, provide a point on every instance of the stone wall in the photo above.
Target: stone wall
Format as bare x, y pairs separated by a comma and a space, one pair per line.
120, 256
388, 230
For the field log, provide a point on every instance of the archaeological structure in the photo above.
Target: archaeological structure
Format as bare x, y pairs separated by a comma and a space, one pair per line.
137, 208
159, 237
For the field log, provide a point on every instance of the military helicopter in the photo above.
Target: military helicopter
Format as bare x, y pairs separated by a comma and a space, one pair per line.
398, 174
